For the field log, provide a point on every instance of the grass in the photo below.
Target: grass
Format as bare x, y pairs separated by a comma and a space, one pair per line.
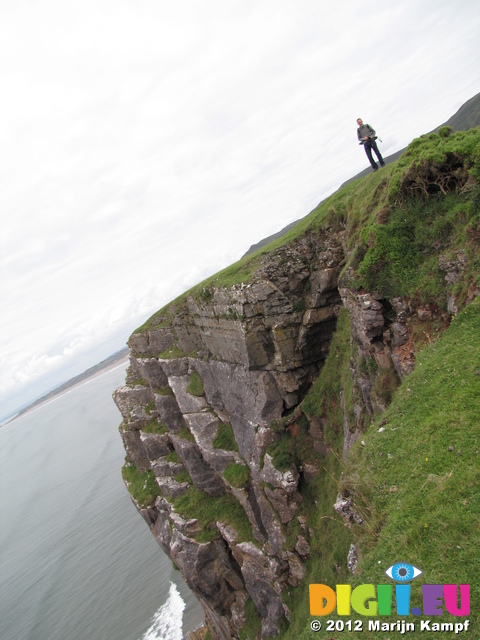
172, 457
325, 396
155, 426
186, 434
171, 352
197, 504
416, 483
195, 385
225, 438
237, 475
401, 256
164, 391
253, 623
142, 486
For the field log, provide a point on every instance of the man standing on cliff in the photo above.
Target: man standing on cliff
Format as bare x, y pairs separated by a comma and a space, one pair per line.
367, 137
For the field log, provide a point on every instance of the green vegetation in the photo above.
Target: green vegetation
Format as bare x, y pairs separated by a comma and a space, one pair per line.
195, 386
138, 382
155, 426
395, 222
171, 352
323, 399
416, 482
208, 510
429, 202
294, 446
183, 476
225, 438
164, 391
253, 623
150, 408
142, 486
186, 434
237, 475
172, 457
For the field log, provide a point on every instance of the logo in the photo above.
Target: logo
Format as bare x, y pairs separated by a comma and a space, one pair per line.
377, 600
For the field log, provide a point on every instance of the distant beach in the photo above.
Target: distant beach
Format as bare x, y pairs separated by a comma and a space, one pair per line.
112, 362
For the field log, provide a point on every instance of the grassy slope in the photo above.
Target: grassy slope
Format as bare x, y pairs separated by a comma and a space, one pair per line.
417, 482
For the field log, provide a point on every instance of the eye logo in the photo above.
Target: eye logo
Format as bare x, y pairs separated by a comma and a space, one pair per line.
402, 572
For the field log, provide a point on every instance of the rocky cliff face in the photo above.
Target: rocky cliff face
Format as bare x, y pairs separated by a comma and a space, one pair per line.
231, 432
206, 386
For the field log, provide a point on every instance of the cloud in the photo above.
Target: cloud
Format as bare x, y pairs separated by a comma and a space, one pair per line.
147, 145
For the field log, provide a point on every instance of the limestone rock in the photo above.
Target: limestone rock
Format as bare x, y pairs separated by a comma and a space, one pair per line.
344, 507
202, 475
155, 445
132, 403
170, 487
352, 559
302, 547
258, 347
285, 480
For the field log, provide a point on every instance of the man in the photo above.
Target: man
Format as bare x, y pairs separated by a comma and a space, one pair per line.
367, 137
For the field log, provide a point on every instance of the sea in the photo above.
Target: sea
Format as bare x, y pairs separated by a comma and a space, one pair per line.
77, 561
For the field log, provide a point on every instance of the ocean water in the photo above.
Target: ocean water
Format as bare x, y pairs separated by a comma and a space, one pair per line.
77, 561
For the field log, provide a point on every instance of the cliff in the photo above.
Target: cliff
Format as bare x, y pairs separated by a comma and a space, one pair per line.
245, 396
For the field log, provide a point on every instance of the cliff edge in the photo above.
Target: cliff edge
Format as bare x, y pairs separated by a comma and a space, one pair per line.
245, 396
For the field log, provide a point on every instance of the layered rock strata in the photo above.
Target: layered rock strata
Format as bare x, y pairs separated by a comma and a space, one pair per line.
252, 351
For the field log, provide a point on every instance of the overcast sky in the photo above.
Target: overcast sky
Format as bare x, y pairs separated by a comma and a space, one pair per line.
145, 145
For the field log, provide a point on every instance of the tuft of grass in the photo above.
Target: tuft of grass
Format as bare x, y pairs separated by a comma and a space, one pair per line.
225, 438
208, 510
172, 352
195, 386
253, 623
164, 391
282, 452
172, 457
150, 408
142, 486
155, 426
237, 475
186, 434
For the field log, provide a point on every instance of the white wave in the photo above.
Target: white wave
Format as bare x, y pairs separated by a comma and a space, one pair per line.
168, 621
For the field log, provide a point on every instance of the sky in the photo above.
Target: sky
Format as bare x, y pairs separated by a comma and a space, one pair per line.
145, 145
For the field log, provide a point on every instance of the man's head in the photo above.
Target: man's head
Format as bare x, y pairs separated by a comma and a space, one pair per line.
360, 122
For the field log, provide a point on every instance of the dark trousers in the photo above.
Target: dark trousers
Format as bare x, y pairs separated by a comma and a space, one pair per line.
369, 145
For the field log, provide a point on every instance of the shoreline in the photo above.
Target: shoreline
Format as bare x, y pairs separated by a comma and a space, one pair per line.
41, 402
